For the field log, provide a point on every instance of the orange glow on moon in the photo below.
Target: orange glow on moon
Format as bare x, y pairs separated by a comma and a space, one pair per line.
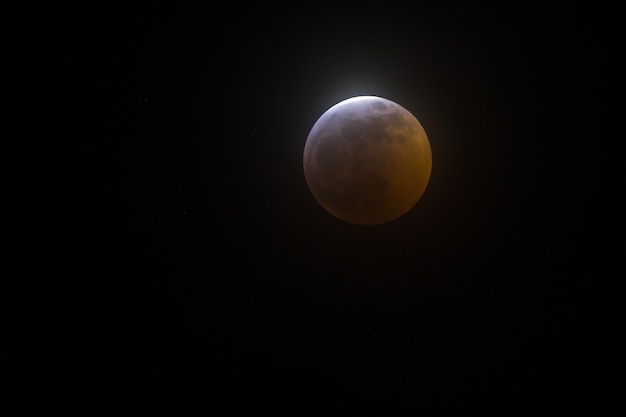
367, 160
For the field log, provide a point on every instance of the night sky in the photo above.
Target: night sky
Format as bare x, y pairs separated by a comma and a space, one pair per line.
186, 267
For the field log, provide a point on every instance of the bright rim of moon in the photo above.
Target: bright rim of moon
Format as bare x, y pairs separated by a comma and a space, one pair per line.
367, 160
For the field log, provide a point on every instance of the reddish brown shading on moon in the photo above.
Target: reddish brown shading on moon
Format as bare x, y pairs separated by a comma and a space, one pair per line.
367, 160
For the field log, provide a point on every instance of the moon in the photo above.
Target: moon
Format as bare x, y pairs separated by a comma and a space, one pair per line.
367, 160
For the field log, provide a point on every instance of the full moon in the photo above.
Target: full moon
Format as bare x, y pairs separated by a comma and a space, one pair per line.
367, 160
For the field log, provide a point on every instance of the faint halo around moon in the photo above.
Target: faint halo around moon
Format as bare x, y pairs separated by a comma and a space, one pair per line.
367, 160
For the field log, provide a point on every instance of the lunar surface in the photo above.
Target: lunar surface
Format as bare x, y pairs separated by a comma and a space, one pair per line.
367, 160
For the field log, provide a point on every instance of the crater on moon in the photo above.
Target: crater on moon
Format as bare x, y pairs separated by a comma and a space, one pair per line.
367, 160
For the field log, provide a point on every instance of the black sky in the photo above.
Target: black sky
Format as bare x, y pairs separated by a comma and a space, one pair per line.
187, 267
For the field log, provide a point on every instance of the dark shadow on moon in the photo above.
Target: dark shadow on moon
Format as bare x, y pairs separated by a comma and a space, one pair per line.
345, 180
379, 105
372, 129
346, 176
356, 196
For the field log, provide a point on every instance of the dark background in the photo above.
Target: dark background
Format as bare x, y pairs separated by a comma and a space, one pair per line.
179, 262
